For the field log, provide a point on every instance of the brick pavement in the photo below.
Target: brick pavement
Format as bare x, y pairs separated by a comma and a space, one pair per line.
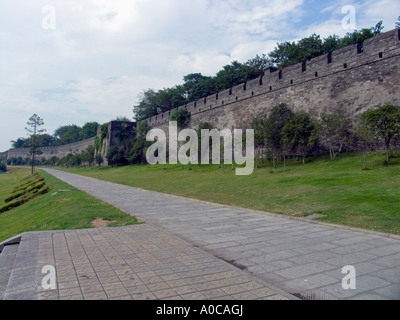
141, 262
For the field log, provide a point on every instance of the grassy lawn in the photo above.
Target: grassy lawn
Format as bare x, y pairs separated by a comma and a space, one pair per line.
339, 189
72, 209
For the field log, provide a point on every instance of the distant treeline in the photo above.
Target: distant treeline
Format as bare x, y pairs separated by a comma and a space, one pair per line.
196, 86
62, 136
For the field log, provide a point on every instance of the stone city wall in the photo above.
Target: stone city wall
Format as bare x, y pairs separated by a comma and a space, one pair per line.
355, 78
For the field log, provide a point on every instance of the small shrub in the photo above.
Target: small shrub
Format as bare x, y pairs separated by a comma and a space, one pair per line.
3, 167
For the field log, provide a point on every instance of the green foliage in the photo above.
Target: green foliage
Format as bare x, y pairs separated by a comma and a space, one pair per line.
87, 156
136, 154
181, 116
43, 140
336, 129
98, 159
397, 25
197, 86
279, 117
232, 75
3, 167
89, 130
19, 143
97, 144
123, 132
67, 134
289, 53
142, 129
73, 133
384, 124
34, 124
123, 119
147, 106
103, 132
259, 126
300, 133
116, 156
268, 131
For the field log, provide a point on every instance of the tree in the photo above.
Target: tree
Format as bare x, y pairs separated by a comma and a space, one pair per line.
290, 53
398, 23
122, 119
87, 155
99, 159
67, 134
3, 167
259, 126
358, 37
301, 134
123, 132
116, 156
335, 128
136, 153
197, 86
170, 98
89, 130
258, 65
232, 75
147, 106
384, 124
363, 139
181, 116
19, 143
45, 140
34, 124
279, 117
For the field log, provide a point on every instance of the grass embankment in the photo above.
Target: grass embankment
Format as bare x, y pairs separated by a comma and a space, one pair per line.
340, 190
55, 210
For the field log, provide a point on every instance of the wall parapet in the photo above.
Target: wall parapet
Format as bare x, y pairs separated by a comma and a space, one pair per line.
374, 50
56, 151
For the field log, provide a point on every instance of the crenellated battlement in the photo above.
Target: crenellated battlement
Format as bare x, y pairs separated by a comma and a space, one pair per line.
376, 52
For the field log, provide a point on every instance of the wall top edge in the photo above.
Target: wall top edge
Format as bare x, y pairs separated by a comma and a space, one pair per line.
385, 39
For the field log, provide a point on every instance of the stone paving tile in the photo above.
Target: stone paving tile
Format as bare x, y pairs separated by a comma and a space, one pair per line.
186, 273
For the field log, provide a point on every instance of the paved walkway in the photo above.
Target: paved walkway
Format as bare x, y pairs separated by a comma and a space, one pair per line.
141, 262
301, 258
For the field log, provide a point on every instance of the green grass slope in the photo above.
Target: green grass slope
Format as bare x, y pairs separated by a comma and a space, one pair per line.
62, 207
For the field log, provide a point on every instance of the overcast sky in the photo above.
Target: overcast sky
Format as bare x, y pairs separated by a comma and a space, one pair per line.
77, 61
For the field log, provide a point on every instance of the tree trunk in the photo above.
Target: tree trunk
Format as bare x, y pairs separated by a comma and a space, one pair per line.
365, 160
284, 163
388, 153
33, 162
273, 159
